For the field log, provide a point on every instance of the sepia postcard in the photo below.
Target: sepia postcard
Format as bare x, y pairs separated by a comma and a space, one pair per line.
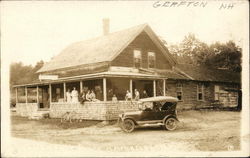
159, 78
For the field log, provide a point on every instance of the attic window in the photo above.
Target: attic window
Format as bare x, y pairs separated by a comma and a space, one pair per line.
137, 58
151, 59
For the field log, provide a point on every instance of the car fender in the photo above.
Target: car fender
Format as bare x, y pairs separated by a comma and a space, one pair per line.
168, 116
131, 119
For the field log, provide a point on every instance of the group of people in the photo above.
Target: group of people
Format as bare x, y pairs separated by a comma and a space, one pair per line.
89, 96
74, 97
128, 95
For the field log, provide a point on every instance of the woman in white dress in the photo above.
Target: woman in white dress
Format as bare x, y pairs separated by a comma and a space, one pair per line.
68, 96
74, 95
137, 95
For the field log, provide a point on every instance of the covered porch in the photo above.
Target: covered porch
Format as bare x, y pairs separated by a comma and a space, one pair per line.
51, 95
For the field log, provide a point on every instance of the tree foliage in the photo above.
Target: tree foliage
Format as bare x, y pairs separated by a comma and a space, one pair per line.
218, 55
225, 55
20, 73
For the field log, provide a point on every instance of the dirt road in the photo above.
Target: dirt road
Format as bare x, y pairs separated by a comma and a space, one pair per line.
197, 131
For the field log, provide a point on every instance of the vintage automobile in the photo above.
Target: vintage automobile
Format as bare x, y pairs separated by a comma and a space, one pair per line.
160, 110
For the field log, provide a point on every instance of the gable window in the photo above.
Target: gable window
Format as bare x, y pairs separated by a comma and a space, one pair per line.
137, 58
151, 59
200, 92
216, 92
179, 91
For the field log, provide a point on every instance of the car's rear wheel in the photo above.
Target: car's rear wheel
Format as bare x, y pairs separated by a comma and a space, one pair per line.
128, 125
170, 124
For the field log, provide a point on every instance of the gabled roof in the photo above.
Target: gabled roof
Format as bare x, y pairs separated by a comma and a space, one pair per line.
205, 73
101, 49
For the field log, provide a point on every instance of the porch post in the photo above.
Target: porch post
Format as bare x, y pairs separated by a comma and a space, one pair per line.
37, 94
104, 90
64, 90
16, 96
131, 86
50, 93
26, 95
154, 88
81, 86
164, 87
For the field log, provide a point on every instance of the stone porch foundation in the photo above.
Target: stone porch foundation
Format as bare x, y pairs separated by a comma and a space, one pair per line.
88, 111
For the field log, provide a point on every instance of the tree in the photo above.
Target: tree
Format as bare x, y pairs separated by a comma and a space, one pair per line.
20, 73
36, 68
192, 51
226, 56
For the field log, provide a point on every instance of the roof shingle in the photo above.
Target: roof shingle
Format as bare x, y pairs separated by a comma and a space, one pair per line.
205, 73
95, 50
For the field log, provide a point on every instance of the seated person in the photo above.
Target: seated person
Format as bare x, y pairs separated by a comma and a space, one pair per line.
93, 96
82, 97
88, 96
144, 94
114, 98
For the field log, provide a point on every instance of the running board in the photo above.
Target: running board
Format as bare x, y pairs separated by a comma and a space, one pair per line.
151, 124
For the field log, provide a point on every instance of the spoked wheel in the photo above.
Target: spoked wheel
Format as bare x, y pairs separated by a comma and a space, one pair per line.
170, 124
128, 125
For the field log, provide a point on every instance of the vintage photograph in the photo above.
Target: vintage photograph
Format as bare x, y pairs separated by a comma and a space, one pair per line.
124, 78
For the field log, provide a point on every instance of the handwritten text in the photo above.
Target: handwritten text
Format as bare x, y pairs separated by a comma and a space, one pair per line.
170, 4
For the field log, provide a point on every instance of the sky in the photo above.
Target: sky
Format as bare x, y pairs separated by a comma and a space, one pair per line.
32, 31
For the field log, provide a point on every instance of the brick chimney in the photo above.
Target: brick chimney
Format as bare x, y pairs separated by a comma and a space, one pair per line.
105, 25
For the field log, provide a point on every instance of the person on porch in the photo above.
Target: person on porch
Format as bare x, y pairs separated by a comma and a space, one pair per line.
128, 96
114, 98
74, 95
93, 96
144, 94
82, 97
88, 96
137, 95
68, 96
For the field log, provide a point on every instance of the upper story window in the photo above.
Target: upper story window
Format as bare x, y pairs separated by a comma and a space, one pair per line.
200, 92
179, 92
151, 59
137, 58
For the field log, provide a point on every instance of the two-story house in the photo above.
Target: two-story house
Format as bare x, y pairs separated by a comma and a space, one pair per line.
109, 65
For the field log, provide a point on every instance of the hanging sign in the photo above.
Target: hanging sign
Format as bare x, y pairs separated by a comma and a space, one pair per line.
48, 77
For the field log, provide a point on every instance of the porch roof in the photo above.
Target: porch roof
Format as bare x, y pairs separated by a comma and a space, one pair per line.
133, 75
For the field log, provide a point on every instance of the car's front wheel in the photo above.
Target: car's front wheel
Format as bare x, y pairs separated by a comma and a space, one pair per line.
128, 125
170, 124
